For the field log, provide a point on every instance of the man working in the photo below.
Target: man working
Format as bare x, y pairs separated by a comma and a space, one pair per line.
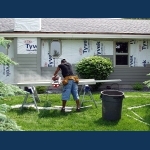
70, 84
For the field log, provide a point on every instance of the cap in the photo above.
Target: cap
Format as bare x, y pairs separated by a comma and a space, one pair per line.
63, 60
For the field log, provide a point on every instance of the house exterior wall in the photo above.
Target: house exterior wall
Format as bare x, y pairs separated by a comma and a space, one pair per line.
75, 50
139, 53
35, 62
27, 55
130, 76
7, 71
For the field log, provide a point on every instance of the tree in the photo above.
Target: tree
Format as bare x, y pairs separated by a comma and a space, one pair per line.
6, 124
4, 59
7, 89
147, 82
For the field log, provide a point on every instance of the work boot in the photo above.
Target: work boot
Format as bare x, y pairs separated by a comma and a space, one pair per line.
62, 110
78, 110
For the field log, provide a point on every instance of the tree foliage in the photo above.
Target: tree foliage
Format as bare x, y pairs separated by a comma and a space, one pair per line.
4, 42
147, 82
7, 124
7, 89
5, 60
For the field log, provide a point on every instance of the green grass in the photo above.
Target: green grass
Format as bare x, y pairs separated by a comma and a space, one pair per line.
89, 119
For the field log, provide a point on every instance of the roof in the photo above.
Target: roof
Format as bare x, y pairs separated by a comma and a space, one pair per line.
85, 25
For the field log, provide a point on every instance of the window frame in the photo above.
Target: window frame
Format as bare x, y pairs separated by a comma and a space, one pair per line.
116, 54
50, 49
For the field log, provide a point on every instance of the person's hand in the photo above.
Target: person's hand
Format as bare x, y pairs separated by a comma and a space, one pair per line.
55, 77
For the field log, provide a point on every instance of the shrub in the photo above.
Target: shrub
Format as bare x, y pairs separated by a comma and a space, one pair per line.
41, 89
147, 83
7, 124
10, 90
94, 67
138, 86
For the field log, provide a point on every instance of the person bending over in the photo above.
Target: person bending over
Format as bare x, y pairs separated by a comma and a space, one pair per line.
70, 84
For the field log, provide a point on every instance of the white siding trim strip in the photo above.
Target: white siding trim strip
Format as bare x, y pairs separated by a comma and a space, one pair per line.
74, 36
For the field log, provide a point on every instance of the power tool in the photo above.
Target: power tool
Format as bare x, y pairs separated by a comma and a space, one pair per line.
56, 81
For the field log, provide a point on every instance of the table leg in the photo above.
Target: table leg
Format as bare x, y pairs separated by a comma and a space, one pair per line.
34, 96
34, 91
25, 100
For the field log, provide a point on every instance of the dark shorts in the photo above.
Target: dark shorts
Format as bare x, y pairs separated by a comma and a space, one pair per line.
70, 88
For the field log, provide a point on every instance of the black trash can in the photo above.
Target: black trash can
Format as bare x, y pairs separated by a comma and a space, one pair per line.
111, 104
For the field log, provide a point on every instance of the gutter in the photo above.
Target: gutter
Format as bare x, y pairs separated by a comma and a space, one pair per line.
76, 36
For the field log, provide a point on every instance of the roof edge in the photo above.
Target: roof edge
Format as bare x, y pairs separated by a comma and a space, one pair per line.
72, 35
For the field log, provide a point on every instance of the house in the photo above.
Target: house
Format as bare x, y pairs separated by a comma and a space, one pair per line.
38, 45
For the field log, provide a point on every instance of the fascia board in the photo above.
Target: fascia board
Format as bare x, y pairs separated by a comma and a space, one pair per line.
76, 36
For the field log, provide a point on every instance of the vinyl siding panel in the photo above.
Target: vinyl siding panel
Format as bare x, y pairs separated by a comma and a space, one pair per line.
26, 63
129, 76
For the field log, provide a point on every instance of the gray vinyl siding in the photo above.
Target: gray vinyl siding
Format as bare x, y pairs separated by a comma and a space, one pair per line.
28, 63
38, 56
129, 76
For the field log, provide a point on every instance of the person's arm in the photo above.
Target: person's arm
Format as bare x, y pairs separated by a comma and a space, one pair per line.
57, 70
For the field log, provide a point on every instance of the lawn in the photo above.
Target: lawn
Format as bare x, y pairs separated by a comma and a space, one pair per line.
135, 114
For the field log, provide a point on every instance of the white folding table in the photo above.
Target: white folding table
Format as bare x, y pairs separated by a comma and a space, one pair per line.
32, 87
86, 90
35, 97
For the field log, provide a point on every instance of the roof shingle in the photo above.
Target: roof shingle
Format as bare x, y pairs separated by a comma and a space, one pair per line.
85, 25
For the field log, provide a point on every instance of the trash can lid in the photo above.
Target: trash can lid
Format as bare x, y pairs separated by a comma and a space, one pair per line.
112, 93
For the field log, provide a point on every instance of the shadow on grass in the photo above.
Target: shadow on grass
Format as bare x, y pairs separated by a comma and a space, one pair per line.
57, 113
42, 113
45, 113
52, 113
101, 121
23, 111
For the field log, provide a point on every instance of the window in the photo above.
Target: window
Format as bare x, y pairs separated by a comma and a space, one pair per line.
121, 53
55, 48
